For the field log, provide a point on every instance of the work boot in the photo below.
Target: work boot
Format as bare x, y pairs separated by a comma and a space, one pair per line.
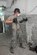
21, 46
36, 49
11, 50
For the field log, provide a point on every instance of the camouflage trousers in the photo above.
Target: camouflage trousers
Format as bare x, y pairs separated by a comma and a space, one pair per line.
17, 35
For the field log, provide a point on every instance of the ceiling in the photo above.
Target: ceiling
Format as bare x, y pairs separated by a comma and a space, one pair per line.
8, 2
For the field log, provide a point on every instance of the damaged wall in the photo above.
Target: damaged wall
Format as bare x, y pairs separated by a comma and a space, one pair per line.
31, 27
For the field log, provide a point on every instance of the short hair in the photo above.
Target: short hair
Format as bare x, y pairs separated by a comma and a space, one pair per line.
16, 10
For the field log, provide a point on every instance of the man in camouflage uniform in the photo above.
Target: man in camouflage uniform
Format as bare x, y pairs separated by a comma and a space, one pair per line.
17, 27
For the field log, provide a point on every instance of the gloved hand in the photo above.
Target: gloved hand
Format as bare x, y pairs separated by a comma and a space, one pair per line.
25, 19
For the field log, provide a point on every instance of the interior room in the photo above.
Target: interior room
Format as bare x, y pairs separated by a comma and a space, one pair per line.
18, 27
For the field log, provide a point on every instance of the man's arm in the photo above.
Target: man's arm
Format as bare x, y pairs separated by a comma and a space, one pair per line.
23, 20
9, 20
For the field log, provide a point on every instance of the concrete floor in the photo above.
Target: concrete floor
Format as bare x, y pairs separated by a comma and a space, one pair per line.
5, 44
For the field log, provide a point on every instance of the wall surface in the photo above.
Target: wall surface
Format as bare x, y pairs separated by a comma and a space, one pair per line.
26, 6
31, 6
31, 28
2, 3
18, 4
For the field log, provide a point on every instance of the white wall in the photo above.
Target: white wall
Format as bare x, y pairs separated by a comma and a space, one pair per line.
2, 3
25, 6
18, 4
30, 5
21, 5
31, 20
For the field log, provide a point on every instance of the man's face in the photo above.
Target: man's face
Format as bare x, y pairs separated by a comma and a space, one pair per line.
16, 14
